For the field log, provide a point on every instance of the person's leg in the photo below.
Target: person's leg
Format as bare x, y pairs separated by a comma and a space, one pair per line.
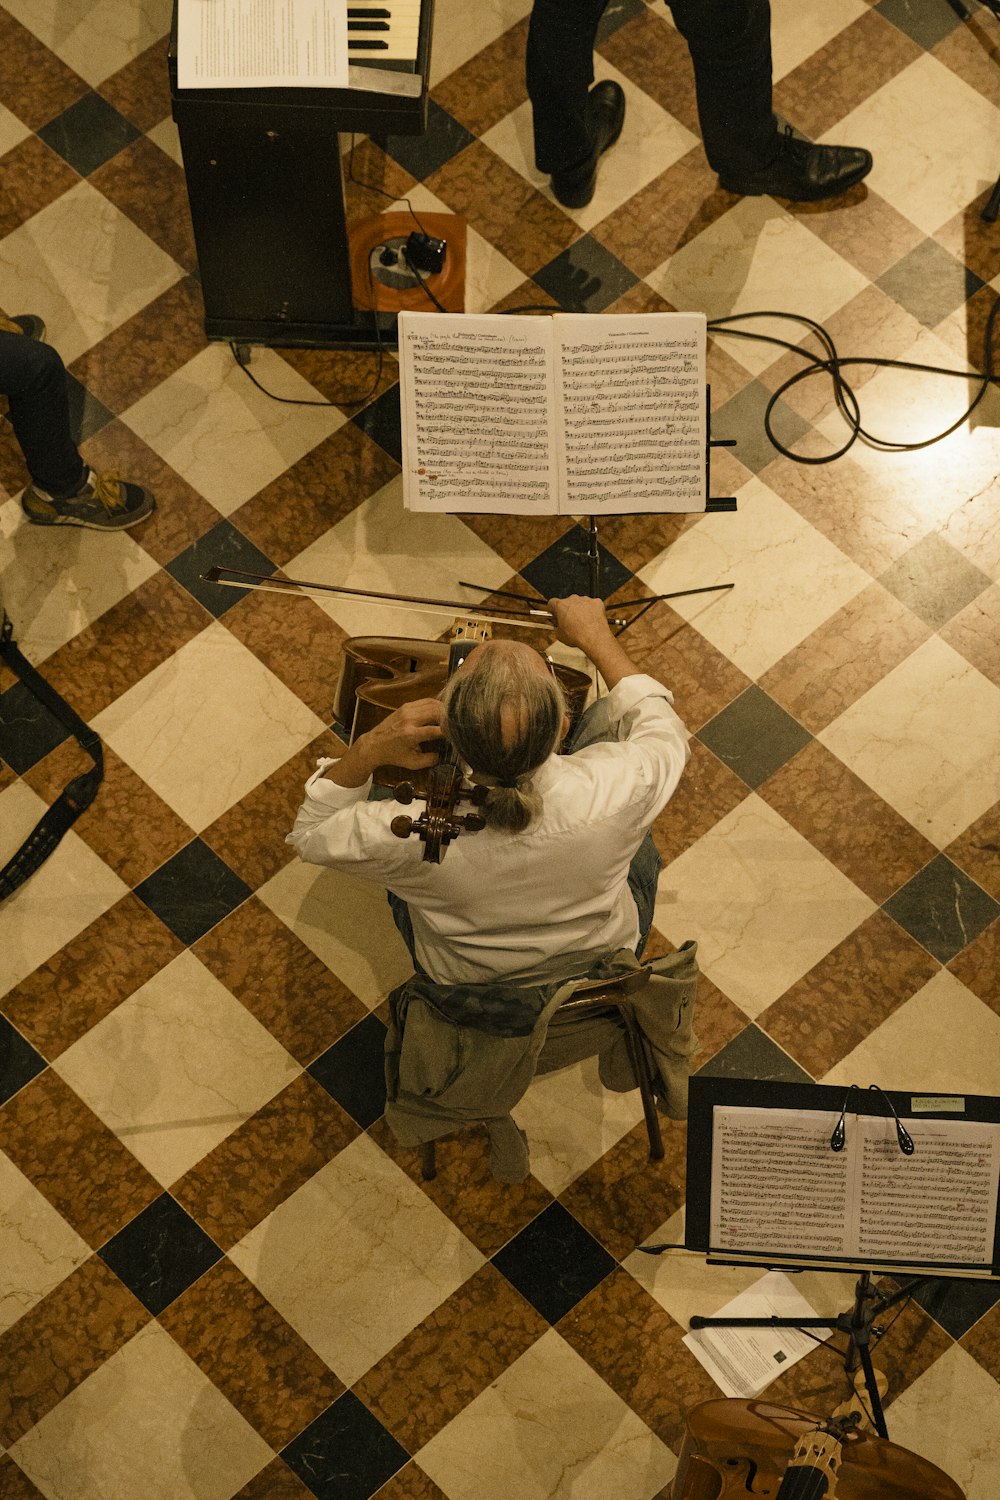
594, 728
33, 378
559, 69
730, 46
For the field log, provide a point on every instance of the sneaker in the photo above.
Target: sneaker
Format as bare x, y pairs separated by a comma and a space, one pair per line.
803, 172
606, 107
103, 503
29, 324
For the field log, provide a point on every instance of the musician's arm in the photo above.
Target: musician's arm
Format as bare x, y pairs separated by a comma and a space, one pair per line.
400, 740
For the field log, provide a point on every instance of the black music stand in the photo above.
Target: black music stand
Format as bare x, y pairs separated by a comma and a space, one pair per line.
707, 1162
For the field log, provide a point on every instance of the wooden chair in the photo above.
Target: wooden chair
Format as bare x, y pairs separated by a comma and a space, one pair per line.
593, 999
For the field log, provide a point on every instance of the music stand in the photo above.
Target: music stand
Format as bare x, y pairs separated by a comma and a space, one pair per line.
814, 1144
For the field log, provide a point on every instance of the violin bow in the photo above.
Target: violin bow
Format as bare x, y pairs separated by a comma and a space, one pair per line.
236, 578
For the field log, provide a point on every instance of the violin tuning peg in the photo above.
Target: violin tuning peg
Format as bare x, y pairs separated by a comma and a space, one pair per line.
473, 823
404, 791
478, 795
402, 827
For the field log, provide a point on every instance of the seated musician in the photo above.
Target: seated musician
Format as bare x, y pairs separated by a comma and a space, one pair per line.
565, 869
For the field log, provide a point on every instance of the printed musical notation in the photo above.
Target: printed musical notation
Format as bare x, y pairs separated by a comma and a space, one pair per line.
778, 1187
571, 414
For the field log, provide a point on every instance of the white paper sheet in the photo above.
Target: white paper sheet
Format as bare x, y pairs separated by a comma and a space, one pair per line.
742, 1361
261, 44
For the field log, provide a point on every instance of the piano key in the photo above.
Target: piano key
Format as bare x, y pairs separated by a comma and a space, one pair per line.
402, 27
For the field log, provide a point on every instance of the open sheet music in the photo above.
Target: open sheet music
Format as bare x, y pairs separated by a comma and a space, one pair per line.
777, 1184
578, 414
261, 44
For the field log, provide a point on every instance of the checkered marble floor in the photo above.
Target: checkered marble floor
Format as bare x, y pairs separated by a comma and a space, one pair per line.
219, 1275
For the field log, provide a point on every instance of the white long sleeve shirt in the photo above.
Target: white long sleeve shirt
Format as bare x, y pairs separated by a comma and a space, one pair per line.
505, 905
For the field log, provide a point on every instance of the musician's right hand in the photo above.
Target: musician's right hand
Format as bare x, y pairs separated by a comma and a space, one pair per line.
581, 621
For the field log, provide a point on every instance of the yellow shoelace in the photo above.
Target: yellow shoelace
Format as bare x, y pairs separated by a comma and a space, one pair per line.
108, 489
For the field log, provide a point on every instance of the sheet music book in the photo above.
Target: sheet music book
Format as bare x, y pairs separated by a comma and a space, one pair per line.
576, 414
777, 1185
261, 44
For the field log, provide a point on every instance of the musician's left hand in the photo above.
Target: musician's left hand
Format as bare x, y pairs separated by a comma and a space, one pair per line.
400, 740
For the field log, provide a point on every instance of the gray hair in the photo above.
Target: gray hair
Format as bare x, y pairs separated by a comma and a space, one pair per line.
504, 719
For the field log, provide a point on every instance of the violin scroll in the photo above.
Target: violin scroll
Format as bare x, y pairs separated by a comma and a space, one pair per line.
439, 823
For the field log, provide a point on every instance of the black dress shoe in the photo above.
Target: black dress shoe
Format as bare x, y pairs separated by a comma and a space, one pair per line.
803, 172
606, 110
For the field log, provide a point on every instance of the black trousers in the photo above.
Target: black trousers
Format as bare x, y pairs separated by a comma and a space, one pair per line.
730, 46
33, 378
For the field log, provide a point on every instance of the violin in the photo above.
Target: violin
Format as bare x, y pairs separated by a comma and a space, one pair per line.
381, 673
736, 1449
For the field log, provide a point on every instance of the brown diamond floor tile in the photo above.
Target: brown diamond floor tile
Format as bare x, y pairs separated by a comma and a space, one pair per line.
120, 648
655, 57
14, 1482
296, 639
31, 177
520, 544
280, 981
841, 75
344, 376
63, 1339
488, 1212
862, 227
717, 1021
264, 1160
451, 1357
701, 679
624, 1196
978, 966
982, 1341
840, 815
490, 86
373, 182
73, 1159
871, 522
910, 1346
146, 350
665, 215
977, 851
707, 792
847, 655
503, 207
975, 633
86, 980
635, 541
830, 1010
35, 84
127, 824
141, 89
248, 1351
148, 187
625, 1335
973, 240
640, 298
276, 1482
297, 508
971, 52
181, 515
250, 835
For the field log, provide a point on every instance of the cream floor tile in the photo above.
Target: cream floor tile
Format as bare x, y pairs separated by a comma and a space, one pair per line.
462, 30
12, 131
651, 141
225, 437
382, 546
166, 137
207, 726
571, 1120
788, 578
684, 1284
72, 888
757, 257
927, 739
56, 580
147, 1423
950, 1415
37, 1247
96, 37
764, 905
933, 138
346, 923
943, 1040
176, 1067
356, 1258
84, 267
548, 1429
489, 276
797, 30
